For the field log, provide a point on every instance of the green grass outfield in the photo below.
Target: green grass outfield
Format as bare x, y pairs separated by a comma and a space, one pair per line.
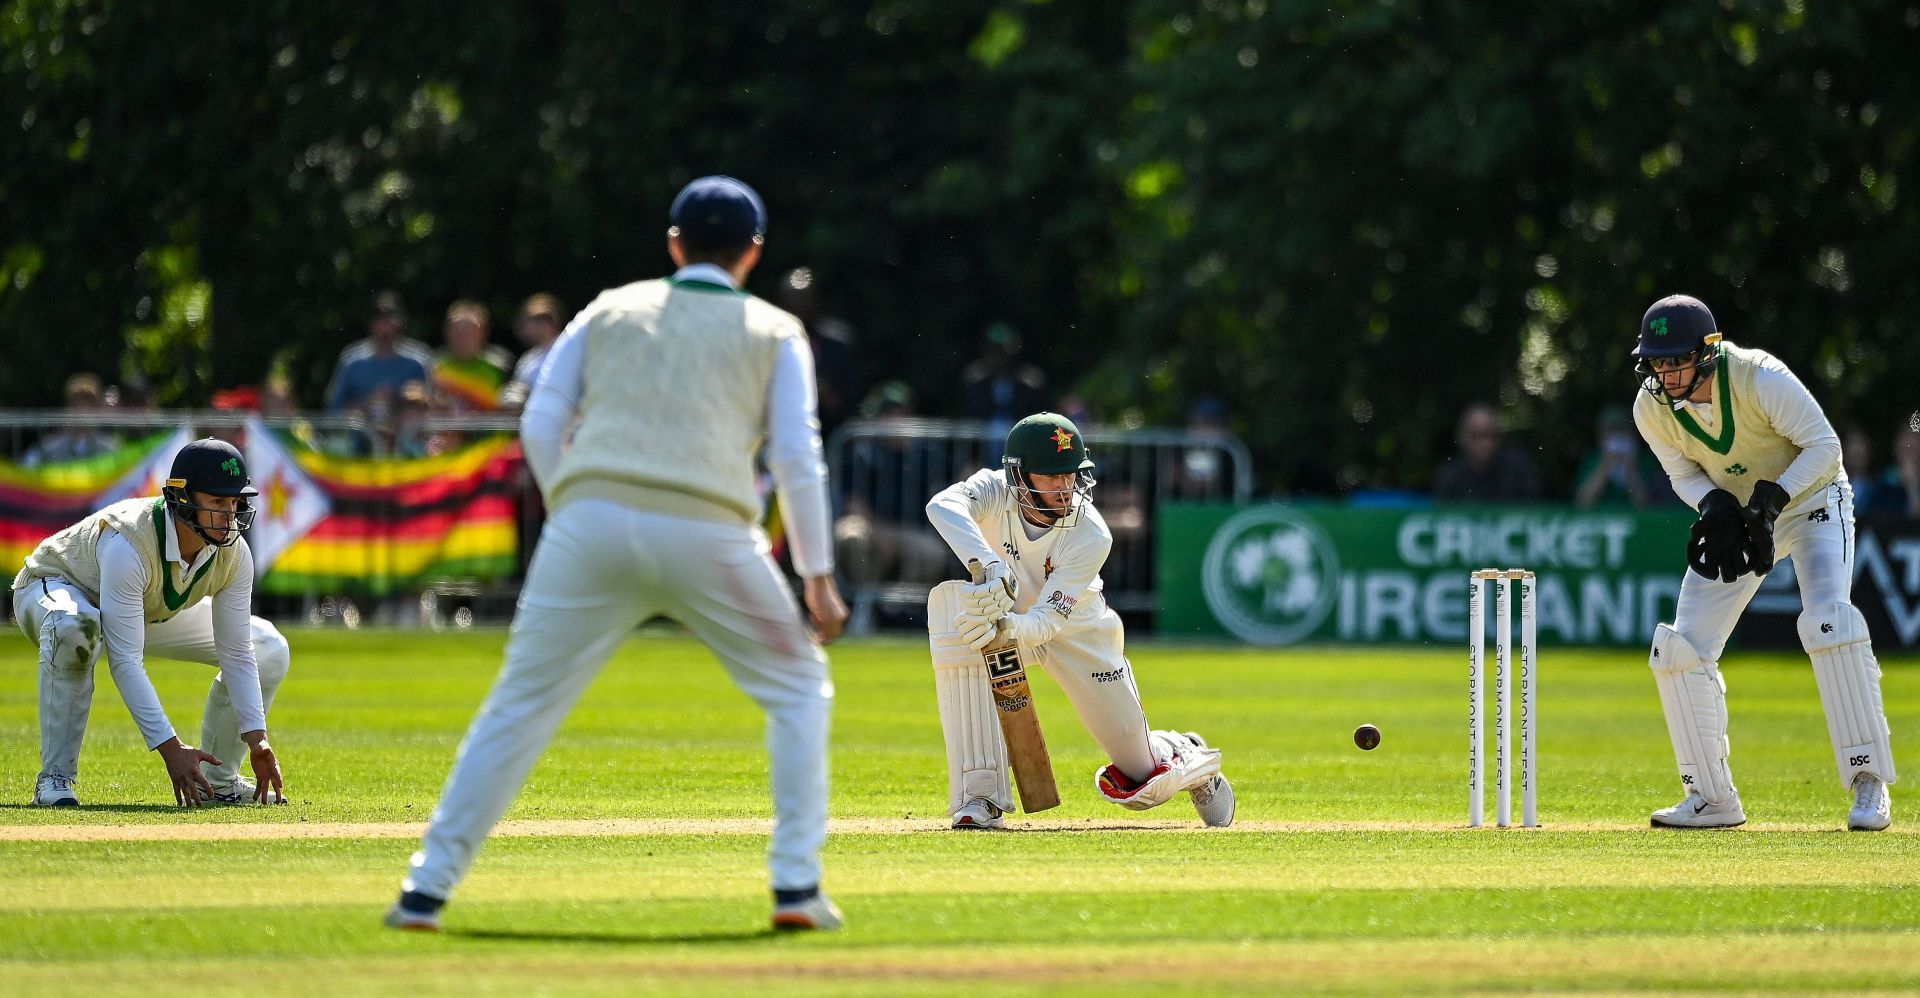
635, 859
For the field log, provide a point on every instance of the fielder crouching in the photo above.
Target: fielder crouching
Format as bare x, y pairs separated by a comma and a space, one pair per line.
1034, 528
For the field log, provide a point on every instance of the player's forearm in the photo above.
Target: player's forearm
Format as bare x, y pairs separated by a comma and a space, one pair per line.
804, 509
950, 515
794, 458
233, 643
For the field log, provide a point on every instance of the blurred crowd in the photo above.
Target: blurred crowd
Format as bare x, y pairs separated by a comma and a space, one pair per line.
393, 394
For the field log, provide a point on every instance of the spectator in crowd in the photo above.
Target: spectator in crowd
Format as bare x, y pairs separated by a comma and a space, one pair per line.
881, 535
469, 370
1902, 481
997, 388
419, 401
282, 413
83, 397
1485, 469
835, 370
1870, 488
542, 317
1202, 471
370, 372
1619, 471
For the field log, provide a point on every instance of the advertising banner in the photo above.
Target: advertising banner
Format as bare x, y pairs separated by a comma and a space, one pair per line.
1286, 573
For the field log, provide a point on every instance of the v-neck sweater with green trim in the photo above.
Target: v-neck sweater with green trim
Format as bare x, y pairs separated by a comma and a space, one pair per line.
73, 554
1753, 429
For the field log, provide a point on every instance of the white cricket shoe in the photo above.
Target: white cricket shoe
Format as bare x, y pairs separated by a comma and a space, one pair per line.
1695, 812
816, 914
979, 814
402, 917
1214, 800
240, 791
1872, 804
57, 791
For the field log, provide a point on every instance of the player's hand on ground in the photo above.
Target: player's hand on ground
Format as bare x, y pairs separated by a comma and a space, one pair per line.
1761, 510
268, 788
824, 605
975, 629
190, 786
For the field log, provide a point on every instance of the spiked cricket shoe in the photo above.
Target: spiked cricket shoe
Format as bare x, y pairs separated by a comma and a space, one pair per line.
57, 791
1872, 805
1214, 800
1695, 812
979, 814
421, 916
815, 914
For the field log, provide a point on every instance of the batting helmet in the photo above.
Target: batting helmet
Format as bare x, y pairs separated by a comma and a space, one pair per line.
1677, 326
215, 468
1047, 443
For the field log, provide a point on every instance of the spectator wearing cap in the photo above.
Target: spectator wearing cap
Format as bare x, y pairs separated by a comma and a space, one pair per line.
368, 376
542, 316
469, 371
76, 439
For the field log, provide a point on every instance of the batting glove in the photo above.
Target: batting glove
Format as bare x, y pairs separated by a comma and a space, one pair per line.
992, 597
975, 630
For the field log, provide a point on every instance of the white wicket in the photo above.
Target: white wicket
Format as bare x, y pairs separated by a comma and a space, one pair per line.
1505, 707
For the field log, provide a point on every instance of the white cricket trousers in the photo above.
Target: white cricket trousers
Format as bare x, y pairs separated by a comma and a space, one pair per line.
600, 570
58, 616
1820, 542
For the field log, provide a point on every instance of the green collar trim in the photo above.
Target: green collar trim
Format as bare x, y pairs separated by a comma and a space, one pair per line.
175, 600
1724, 442
711, 287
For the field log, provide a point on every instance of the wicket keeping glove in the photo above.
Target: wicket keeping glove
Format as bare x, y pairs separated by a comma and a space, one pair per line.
1719, 544
1761, 510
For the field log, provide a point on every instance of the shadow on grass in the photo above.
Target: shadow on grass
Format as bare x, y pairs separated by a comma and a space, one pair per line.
612, 938
86, 809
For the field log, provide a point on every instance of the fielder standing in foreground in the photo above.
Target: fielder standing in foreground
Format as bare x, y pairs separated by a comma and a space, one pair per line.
1746, 445
654, 513
169, 577
1033, 527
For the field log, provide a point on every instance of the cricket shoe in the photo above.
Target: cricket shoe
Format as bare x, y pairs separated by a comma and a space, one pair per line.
240, 791
57, 791
1695, 812
1214, 800
414, 913
815, 914
979, 814
1872, 804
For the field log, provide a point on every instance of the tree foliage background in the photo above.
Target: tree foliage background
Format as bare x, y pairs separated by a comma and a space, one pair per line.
1347, 219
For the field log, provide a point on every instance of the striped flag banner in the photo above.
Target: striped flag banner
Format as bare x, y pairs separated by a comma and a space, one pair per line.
346, 526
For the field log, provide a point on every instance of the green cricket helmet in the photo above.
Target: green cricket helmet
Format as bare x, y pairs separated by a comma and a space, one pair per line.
1047, 443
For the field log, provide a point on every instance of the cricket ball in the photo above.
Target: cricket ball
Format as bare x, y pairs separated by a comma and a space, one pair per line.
1366, 736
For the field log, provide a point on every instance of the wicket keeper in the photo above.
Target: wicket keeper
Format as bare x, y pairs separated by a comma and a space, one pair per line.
1746, 445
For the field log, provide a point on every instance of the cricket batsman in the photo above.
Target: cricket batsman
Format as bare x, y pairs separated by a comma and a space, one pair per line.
1747, 446
1033, 528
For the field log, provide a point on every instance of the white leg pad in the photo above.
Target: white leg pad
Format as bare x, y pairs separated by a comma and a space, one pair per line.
1835, 637
1694, 698
1184, 764
976, 752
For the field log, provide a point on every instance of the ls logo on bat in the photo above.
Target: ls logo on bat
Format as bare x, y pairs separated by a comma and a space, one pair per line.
1004, 662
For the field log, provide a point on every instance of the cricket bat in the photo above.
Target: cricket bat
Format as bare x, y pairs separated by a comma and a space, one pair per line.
1019, 721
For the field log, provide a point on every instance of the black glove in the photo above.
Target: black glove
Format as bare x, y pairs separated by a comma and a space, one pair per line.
1761, 510
1719, 545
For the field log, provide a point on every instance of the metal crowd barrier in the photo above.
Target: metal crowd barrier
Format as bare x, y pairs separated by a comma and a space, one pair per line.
883, 472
